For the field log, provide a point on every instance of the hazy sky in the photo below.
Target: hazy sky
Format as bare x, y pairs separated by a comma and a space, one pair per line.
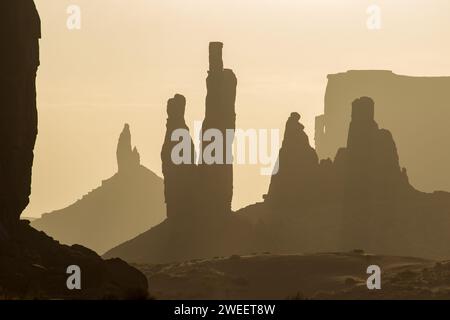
130, 56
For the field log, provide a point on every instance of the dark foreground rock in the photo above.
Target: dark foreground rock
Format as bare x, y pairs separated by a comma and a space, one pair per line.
33, 265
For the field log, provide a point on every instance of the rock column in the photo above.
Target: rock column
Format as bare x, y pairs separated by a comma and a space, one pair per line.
180, 178
217, 178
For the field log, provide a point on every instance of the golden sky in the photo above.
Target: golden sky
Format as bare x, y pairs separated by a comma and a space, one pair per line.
130, 56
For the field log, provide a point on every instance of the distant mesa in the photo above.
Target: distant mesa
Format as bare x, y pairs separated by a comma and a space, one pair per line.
415, 109
124, 206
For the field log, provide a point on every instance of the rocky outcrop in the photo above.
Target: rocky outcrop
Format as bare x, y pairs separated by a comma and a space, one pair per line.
131, 201
180, 178
198, 197
362, 199
414, 109
298, 168
187, 183
205, 190
33, 265
372, 179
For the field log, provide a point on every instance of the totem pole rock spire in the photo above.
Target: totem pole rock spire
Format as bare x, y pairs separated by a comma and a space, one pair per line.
217, 179
215, 57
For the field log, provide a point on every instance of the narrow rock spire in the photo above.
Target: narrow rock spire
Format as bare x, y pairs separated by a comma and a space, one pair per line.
127, 157
217, 178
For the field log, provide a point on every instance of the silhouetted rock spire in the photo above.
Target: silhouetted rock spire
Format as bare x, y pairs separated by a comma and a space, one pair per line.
298, 163
372, 160
127, 157
180, 179
215, 57
372, 179
206, 189
217, 179
360, 191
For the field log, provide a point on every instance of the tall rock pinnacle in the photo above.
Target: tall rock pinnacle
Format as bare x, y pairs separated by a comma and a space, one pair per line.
372, 156
180, 180
127, 157
217, 179
205, 189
